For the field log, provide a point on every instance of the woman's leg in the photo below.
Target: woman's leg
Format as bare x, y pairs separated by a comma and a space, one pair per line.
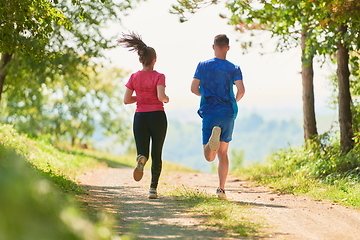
158, 128
141, 134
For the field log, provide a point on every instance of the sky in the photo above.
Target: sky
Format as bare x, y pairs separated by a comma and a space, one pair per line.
272, 81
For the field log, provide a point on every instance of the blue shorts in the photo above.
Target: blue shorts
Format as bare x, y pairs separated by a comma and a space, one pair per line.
226, 123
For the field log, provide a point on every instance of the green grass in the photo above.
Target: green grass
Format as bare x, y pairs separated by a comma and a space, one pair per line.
322, 175
232, 218
38, 192
33, 207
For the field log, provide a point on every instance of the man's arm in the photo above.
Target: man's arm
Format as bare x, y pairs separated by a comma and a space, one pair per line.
195, 87
240, 89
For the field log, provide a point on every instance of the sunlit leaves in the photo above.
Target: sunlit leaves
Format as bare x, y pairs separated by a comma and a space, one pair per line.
25, 25
54, 87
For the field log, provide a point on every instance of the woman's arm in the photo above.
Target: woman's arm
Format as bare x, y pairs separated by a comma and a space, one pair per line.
161, 94
240, 89
128, 97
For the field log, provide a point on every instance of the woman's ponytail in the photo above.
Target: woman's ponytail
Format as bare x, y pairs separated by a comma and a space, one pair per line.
134, 42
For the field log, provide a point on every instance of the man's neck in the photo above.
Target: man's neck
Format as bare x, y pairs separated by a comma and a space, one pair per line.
221, 56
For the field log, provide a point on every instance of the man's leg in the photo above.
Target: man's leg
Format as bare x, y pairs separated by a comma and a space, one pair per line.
223, 166
209, 154
213, 144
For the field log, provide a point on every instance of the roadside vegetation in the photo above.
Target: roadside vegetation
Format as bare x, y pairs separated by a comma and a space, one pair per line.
38, 192
320, 170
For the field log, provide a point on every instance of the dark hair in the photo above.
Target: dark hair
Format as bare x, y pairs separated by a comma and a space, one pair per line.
134, 42
221, 40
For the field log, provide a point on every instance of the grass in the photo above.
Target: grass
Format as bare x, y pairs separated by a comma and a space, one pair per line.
230, 217
33, 207
39, 192
308, 172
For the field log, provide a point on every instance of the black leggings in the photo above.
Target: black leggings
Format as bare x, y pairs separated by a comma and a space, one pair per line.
151, 125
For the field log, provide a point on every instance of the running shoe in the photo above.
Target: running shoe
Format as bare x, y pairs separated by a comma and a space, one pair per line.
139, 169
214, 140
153, 193
220, 193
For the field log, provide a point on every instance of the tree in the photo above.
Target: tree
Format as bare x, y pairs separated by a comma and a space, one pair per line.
25, 26
56, 51
42, 30
342, 26
344, 97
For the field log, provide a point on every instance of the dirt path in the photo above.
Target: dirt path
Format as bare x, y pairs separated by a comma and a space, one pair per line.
287, 216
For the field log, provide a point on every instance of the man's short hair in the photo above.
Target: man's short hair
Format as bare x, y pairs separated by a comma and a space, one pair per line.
221, 40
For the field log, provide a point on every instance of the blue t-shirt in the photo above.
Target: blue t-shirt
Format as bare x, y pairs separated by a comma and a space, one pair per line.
217, 77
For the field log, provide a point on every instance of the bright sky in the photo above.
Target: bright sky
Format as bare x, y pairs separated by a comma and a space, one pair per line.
271, 81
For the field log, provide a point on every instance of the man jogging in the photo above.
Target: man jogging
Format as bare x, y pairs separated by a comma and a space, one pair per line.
213, 82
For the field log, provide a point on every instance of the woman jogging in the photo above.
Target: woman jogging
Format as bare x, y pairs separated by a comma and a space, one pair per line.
150, 120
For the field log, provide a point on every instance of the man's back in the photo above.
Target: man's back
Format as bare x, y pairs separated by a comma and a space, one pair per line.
217, 77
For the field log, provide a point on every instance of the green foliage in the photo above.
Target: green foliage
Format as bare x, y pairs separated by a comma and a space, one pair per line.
321, 159
321, 170
68, 106
32, 206
33, 27
57, 165
58, 86
26, 25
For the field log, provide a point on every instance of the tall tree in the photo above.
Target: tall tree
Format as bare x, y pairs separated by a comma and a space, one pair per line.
43, 30
342, 26
344, 97
308, 96
54, 54
25, 26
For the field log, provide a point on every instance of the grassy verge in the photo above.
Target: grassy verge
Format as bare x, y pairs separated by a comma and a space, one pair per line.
33, 207
322, 173
230, 217
39, 191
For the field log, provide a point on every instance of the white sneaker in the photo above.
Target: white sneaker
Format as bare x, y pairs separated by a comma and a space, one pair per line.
214, 140
153, 193
220, 193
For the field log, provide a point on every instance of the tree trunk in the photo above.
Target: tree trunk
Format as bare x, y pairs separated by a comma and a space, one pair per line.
344, 98
307, 74
5, 59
